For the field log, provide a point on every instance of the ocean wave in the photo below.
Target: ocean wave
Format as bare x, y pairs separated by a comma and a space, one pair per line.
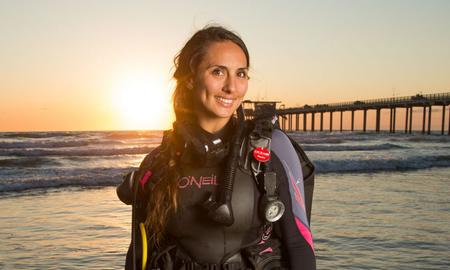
38, 135
331, 137
108, 135
379, 165
56, 144
25, 179
134, 135
86, 178
76, 152
424, 138
28, 162
384, 146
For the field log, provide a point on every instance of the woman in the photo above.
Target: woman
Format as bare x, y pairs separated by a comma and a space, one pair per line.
200, 202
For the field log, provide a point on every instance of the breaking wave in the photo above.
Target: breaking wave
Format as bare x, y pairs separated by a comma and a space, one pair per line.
385, 146
75, 152
28, 162
83, 178
379, 165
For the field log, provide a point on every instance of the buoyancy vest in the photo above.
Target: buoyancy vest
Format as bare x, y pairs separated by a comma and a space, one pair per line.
197, 243
201, 239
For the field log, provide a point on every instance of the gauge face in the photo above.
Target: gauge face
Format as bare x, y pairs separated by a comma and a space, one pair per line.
274, 211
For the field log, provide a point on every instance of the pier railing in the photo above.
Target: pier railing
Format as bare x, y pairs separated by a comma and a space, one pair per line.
415, 101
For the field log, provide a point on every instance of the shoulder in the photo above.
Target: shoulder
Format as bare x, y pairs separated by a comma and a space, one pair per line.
150, 158
286, 148
158, 151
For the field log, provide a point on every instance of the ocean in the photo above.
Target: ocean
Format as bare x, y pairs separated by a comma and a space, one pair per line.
380, 201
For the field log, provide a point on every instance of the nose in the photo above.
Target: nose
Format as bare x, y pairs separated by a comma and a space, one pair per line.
230, 84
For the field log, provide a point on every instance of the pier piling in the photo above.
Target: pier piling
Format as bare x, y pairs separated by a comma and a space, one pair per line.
390, 120
429, 120
443, 120
410, 119
304, 121
377, 128
290, 122
353, 120
321, 121
331, 121
394, 120
365, 121
424, 117
406, 119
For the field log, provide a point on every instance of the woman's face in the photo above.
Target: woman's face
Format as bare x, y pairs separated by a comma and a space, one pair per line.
221, 81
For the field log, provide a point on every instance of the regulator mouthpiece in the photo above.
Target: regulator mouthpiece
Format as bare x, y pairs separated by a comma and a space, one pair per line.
220, 212
220, 209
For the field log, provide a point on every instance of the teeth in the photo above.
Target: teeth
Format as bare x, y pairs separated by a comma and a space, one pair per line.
225, 100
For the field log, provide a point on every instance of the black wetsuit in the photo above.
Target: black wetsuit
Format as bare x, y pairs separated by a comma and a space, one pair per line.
204, 241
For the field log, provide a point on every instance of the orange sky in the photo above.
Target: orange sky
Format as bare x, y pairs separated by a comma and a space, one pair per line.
106, 65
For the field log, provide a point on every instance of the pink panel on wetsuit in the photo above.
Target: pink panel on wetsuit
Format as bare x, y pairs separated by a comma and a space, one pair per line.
145, 178
269, 249
304, 231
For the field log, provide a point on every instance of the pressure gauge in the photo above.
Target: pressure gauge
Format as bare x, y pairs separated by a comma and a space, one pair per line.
274, 210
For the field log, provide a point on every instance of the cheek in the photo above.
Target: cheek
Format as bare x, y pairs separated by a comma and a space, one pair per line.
208, 87
243, 87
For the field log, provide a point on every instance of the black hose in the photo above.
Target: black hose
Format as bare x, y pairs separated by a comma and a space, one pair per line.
230, 171
219, 207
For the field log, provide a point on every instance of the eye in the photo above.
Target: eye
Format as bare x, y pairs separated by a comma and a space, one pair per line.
217, 72
242, 74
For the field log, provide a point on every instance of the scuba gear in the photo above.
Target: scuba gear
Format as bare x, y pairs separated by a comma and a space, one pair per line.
197, 237
133, 226
270, 206
266, 255
195, 144
258, 159
144, 245
219, 205
292, 166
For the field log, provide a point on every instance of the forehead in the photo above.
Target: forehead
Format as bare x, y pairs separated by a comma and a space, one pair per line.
225, 53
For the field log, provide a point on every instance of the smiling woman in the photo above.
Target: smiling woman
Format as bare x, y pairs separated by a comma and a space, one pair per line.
222, 218
142, 102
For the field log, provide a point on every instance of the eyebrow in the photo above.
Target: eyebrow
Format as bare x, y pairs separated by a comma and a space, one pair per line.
224, 67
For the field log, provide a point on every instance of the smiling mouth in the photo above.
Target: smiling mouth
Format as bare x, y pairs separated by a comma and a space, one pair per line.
226, 102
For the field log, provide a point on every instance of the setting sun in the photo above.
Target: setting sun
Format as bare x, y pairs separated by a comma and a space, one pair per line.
142, 102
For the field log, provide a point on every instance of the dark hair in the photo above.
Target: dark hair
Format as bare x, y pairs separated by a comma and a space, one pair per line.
187, 60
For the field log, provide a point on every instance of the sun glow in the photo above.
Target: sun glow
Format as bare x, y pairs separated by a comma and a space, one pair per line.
142, 102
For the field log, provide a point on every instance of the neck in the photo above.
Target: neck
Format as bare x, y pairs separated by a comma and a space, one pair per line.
212, 125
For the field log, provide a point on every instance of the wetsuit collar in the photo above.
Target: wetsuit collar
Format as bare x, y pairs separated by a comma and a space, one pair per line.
200, 147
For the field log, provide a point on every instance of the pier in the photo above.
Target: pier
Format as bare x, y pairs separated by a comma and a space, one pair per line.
289, 118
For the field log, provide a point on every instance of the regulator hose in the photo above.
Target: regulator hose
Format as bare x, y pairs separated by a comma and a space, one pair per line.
219, 206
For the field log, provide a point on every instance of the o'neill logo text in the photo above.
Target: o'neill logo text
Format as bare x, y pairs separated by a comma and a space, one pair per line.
187, 181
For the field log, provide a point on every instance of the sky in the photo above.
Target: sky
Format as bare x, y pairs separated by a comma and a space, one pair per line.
107, 64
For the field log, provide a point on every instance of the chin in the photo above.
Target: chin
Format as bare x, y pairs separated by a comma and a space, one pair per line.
225, 113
